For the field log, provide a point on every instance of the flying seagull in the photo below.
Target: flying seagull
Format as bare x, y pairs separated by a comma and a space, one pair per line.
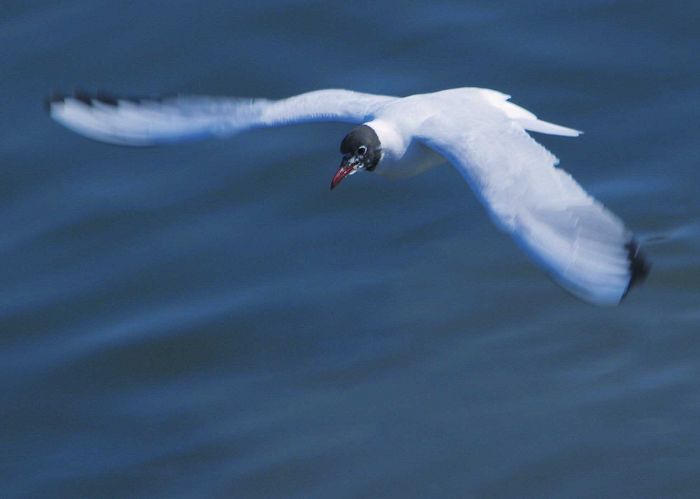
573, 237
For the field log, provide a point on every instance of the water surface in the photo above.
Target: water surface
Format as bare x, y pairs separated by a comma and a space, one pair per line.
208, 320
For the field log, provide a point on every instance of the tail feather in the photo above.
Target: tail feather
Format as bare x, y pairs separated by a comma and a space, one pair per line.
542, 126
525, 118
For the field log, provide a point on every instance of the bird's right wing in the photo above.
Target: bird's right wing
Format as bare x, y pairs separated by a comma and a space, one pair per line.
152, 121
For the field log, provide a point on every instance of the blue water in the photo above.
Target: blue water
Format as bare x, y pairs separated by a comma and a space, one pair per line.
208, 320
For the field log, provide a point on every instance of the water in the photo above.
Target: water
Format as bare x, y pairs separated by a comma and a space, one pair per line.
208, 320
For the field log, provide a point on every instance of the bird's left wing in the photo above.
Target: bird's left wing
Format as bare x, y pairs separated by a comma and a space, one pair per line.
582, 245
152, 121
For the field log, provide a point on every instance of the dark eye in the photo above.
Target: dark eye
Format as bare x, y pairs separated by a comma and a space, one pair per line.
361, 150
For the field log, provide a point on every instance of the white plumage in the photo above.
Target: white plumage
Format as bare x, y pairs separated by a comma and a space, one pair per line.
582, 245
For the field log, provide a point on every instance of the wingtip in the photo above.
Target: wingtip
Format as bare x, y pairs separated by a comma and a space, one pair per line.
78, 95
84, 97
106, 98
53, 98
639, 266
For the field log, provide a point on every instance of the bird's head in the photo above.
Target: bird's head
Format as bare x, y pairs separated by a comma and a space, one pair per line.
361, 150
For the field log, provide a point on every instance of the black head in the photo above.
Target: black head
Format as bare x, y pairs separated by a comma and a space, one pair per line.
361, 150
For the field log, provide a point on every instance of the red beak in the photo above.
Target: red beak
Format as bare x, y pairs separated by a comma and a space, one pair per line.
342, 172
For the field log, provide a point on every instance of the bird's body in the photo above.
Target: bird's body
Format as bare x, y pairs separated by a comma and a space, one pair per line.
583, 246
401, 123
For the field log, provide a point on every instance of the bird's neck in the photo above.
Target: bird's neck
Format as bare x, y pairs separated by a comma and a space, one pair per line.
391, 140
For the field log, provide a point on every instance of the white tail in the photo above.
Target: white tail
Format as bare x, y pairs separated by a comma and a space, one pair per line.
525, 118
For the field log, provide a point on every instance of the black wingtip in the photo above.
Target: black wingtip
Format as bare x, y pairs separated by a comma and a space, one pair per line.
58, 97
82, 96
639, 266
52, 98
106, 98
100, 97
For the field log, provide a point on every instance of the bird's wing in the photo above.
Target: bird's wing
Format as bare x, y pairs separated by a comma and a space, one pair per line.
582, 245
151, 121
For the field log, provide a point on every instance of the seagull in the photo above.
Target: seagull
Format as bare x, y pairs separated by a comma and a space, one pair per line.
581, 245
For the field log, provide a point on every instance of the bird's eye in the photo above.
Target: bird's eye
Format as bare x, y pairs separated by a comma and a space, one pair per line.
361, 150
